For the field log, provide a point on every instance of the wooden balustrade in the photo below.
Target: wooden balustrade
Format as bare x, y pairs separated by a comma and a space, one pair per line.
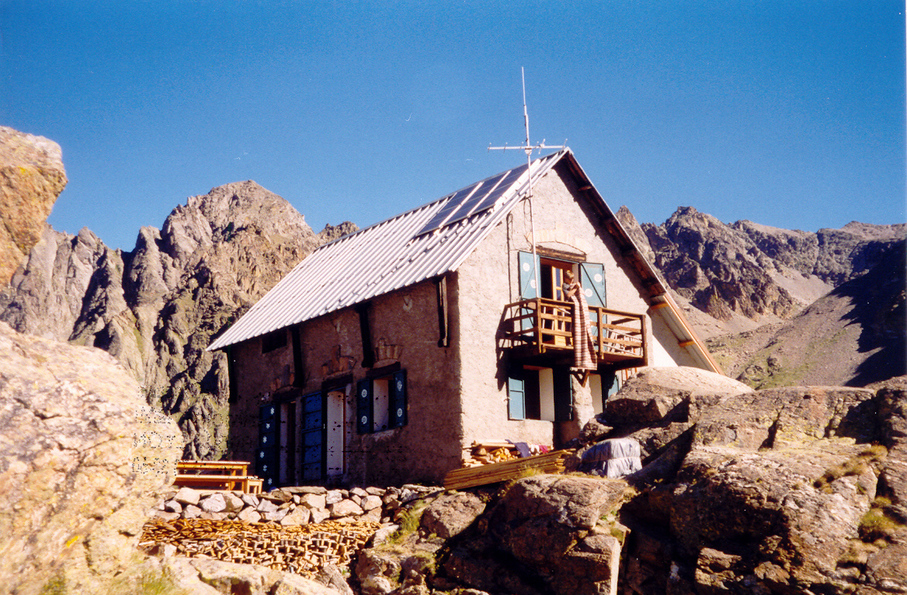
542, 325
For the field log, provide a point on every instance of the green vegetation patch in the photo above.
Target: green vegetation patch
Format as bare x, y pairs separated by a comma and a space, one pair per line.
408, 520
55, 586
856, 465
880, 522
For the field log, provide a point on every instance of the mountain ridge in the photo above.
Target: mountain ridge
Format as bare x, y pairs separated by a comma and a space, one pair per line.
158, 306
755, 292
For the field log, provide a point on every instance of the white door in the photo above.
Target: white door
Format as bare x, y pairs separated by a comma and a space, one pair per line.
335, 433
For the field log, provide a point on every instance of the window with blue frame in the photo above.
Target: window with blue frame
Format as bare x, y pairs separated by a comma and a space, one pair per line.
539, 393
551, 271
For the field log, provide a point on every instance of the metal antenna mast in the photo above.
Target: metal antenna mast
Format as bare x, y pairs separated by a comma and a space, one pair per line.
529, 148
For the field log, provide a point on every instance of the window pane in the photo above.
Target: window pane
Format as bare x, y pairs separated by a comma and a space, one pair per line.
381, 395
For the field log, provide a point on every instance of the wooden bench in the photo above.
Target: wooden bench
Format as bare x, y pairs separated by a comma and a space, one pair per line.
217, 467
255, 484
224, 475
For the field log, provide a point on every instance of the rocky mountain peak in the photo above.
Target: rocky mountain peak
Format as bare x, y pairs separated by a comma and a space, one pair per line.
748, 271
226, 212
335, 232
690, 217
157, 307
755, 289
245, 204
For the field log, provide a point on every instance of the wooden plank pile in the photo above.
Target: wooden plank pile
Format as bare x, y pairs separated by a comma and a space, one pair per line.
469, 477
301, 549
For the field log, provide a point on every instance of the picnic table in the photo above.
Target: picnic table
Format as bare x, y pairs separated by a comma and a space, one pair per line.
223, 475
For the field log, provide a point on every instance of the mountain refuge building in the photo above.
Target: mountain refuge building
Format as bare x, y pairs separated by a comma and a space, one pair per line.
383, 355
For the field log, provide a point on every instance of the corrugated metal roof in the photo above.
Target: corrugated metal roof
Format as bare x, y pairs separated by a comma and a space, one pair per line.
379, 259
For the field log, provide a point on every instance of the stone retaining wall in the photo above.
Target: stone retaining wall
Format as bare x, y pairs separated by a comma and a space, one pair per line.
297, 529
289, 506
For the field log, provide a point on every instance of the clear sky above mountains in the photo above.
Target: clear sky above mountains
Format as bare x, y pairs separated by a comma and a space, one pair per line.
790, 114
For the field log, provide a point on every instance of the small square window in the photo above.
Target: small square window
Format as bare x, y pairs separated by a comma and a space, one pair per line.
274, 341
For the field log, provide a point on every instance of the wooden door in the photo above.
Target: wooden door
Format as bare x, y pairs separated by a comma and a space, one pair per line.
312, 438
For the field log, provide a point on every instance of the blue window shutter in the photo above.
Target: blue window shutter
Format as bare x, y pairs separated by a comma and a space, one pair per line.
398, 399
563, 394
364, 406
529, 285
516, 394
529, 288
592, 278
610, 385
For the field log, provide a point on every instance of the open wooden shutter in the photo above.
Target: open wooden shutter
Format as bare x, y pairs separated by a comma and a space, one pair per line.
563, 394
610, 385
592, 278
364, 406
268, 438
516, 394
529, 288
398, 399
529, 285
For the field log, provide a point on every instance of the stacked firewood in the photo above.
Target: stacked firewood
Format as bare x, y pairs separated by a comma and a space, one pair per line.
301, 549
487, 452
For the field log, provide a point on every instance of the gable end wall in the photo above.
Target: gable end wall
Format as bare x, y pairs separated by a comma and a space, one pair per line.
489, 279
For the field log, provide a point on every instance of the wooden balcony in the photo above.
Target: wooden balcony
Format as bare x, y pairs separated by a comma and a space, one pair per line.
540, 330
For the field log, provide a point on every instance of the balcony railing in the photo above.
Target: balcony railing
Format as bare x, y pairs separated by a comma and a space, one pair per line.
541, 325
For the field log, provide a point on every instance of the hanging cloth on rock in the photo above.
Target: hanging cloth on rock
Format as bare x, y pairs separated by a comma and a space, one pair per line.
616, 457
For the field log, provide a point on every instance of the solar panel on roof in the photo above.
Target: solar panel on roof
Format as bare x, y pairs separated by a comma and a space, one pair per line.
473, 199
469, 206
508, 181
452, 205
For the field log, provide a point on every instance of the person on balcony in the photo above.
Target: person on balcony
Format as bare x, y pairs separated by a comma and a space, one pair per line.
584, 355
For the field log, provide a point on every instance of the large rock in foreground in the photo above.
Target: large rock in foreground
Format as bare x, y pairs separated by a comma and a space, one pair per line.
789, 490
31, 178
546, 534
782, 491
82, 459
213, 577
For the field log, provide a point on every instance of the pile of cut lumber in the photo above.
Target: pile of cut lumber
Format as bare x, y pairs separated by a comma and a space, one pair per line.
302, 549
486, 452
469, 477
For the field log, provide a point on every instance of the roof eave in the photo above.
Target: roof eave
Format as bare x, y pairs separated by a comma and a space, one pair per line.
652, 282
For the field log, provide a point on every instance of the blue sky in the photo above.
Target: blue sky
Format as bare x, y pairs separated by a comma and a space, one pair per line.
790, 114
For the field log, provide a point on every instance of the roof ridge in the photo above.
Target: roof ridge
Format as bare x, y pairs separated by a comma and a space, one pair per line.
437, 200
